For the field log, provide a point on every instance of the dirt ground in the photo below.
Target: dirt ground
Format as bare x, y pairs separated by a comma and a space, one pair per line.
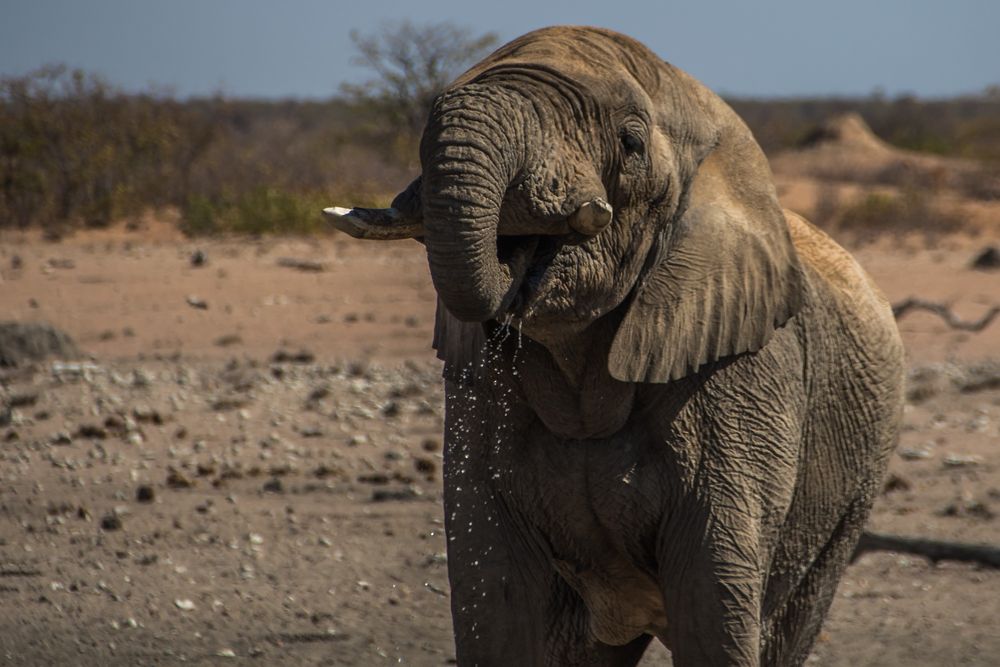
247, 469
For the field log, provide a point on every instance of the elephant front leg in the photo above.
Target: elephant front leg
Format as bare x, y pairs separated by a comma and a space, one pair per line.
712, 587
509, 606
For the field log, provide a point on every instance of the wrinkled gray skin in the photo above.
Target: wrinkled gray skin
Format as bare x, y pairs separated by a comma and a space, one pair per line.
682, 430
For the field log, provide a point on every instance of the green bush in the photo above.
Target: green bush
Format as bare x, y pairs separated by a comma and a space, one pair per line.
262, 210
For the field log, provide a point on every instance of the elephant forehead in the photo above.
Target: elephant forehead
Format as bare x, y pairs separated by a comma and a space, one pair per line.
586, 54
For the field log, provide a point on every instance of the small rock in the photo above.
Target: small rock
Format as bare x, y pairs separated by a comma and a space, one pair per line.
961, 460
896, 483
374, 478
145, 494
61, 438
228, 340
301, 357
431, 445
987, 260
184, 604
111, 521
92, 431
226, 653
301, 264
196, 302
198, 258
177, 480
273, 485
425, 465
405, 493
911, 454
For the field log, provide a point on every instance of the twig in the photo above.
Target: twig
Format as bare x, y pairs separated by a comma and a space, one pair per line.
933, 550
944, 313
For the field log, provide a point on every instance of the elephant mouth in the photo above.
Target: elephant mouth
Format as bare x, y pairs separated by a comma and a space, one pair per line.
539, 251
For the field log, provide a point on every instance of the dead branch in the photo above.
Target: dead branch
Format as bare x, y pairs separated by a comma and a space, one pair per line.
933, 550
945, 313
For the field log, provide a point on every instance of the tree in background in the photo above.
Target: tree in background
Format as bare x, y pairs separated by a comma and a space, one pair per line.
412, 63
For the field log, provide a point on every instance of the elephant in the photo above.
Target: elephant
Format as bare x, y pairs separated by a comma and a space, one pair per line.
670, 403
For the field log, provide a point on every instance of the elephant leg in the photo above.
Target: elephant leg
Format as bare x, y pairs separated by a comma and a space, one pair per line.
712, 587
509, 605
792, 629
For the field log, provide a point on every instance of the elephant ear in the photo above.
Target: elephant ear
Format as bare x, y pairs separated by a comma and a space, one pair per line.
460, 345
722, 278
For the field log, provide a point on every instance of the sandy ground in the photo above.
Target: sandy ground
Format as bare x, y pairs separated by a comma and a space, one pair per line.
248, 469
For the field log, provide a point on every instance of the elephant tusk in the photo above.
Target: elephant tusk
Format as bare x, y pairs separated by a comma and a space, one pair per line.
592, 217
379, 224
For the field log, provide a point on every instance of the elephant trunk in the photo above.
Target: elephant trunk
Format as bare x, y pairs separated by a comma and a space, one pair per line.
471, 152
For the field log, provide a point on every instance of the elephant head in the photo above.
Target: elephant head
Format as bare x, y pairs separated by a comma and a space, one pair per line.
574, 175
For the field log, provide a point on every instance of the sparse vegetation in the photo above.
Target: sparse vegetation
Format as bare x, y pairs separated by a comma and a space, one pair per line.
878, 213
76, 151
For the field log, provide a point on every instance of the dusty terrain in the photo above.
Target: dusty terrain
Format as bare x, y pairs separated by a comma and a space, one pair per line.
246, 468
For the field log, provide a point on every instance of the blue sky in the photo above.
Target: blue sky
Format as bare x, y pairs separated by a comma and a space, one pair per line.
301, 48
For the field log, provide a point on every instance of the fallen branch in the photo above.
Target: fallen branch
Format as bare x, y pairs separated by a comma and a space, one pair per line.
944, 313
933, 550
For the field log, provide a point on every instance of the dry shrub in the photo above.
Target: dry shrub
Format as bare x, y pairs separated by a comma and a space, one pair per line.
908, 212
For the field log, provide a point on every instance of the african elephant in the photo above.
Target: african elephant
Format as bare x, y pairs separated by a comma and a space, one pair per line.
669, 403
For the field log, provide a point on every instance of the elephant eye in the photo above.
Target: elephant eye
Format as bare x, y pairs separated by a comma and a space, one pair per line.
631, 143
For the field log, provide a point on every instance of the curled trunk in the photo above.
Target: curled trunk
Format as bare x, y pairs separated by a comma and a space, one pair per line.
471, 152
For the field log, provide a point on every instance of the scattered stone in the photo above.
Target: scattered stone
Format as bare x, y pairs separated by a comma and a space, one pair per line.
391, 409
911, 454
92, 431
961, 460
177, 480
374, 478
425, 466
303, 356
896, 482
147, 415
111, 521
145, 493
226, 653
311, 432
184, 604
323, 471
273, 485
987, 260
228, 340
196, 302
431, 445
306, 265
199, 258
22, 400
319, 393
405, 493
226, 403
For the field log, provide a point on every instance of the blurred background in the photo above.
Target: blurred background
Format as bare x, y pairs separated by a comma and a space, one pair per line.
245, 115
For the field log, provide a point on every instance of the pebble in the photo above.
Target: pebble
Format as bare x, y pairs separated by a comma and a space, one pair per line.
184, 604
961, 460
196, 302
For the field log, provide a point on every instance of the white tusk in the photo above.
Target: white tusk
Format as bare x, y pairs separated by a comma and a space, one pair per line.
336, 211
592, 217
380, 224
